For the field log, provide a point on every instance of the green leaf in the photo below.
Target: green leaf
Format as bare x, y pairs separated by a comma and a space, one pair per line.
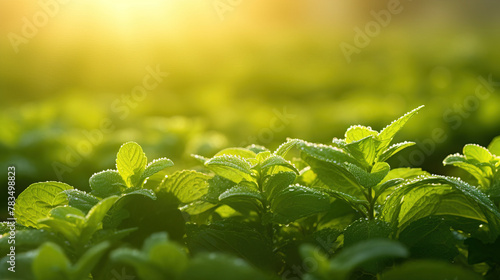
221, 267
131, 162
155, 166
335, 176
461, 162
358, 132
23, 260
244, 197
296, 202
283, 149
429, 270
170, 257
277, 182
365, 149
66, 228
494, 146
27, 239
326, 153
394, 149
216, 186
234, 238
139, 260
136, 191
363, 229
476, 154
81, 200
360, 205
36, 201
380, 188
68, 213
439, 195
387, 134
307, 251
430, 237
51, 263
186, 185
369, 180
238, 152
257, 148
233, 168
243, 191
82, 269
95, 216
274, 160
364, 252
111, 235
158, 259
106, 183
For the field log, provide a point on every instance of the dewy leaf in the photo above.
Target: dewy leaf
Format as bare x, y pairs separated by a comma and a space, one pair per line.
156, 166
440, 195
81, 200
494, 146
241, 190
363, 229
277, 182
216, 186
140, 192
461, 162
358, 132
131, 162
380, 188
240, 152
257, 148
36, 201
429, 270
326, 153
186, 185
51, 263
350, 258
387, 134
364, 150
296, 202
275, 160
394, 149
476, 154
335, 176
106, 183
233, 168
243, 197
368, 180
285, 147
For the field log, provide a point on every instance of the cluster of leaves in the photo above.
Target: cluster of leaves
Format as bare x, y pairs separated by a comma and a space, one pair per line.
303, 211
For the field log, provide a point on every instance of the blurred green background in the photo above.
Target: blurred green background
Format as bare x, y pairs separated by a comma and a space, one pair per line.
79, 78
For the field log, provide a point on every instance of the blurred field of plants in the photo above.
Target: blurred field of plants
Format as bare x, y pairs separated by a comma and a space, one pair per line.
253, 72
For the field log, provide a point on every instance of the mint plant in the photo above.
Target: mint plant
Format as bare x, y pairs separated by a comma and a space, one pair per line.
302, 211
